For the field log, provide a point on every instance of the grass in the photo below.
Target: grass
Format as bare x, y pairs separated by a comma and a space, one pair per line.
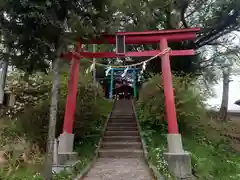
213, 160
23, 173
30, 169
214, 156
85, 147
10, 136
156, 146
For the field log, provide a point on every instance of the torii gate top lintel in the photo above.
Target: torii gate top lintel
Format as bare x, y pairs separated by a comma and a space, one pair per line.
146, 37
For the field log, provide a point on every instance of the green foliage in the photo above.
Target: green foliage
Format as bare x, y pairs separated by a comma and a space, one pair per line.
29, 92
215, 18
24, 177
15, 169
187, 94
8, 132
20, 156
212, 158
155, 141
34, 121
151, 111
33, 31
31, 124
85, 146
65, 175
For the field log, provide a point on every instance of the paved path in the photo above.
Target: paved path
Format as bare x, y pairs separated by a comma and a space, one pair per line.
119, 169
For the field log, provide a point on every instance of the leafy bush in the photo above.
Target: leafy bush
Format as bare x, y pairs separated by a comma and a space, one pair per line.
188, 100
151, 112
8, 132
28, 120
212, 158
34, 121
28, 92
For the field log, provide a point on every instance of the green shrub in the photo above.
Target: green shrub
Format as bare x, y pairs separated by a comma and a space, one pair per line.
188, 101
30, 119
34, 121
29, 92
212, 158
151, 112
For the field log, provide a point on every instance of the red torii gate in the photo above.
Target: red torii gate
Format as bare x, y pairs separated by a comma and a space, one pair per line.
147, 37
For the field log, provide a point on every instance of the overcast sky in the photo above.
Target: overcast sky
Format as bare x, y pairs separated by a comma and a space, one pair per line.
234, 94
234, 89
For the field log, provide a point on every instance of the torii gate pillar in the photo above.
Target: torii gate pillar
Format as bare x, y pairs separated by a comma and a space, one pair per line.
174, 138
179, 161
66, 139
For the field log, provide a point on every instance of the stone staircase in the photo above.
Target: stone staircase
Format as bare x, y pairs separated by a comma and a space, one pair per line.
120, 156
121, 139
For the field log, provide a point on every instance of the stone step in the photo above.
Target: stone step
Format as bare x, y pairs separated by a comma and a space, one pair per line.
122, 116
121, 128
122, 124
121, 121
123, 113
120, 153
121, 139
121, 145
119, 117
121, 133
127, 118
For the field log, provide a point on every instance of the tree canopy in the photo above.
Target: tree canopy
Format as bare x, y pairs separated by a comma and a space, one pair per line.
32, 30
215, 18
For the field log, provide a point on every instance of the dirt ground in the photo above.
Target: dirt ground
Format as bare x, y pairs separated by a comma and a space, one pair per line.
233, 131
230, 130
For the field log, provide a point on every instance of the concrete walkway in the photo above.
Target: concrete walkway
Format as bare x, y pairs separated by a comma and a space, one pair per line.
119, 169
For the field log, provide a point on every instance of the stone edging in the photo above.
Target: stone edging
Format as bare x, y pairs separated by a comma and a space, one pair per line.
152, 168
90, 165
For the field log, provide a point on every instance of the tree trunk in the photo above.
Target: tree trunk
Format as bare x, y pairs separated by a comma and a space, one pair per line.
52, 117
3, 80
224, 106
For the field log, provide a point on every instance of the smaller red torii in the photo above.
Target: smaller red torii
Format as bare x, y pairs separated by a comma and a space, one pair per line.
148, 37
